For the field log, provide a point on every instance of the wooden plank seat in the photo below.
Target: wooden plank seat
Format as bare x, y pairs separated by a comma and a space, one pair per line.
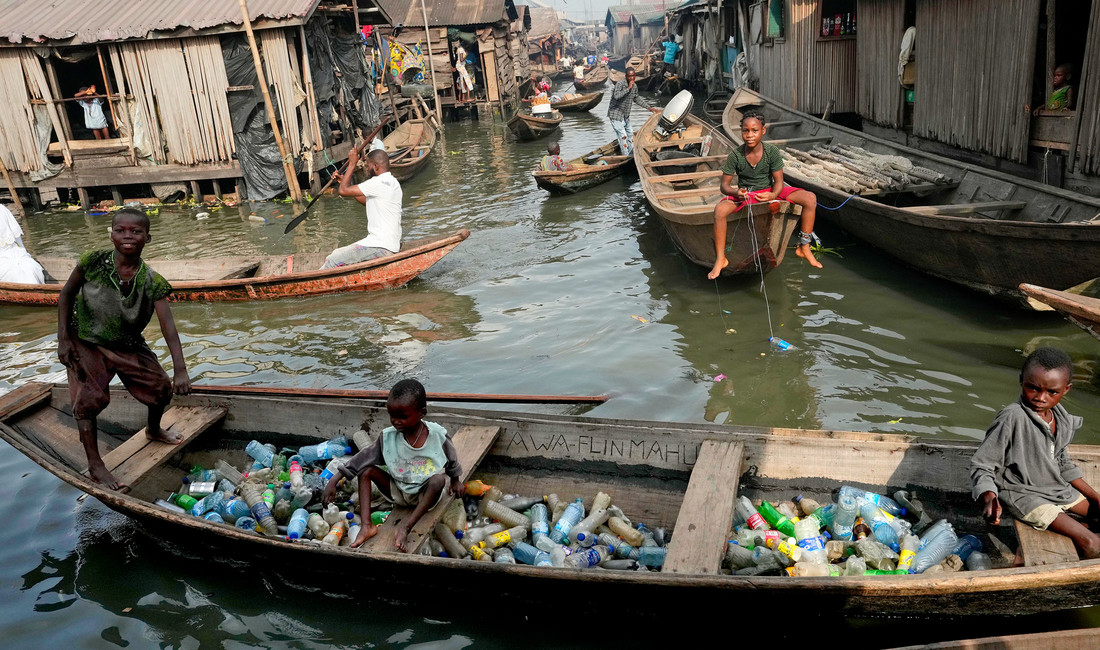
967, 208
471, 443
27, 396
247, 270
706, 514
136, 458
688, 176
1039, 547
704, 191
673, 142
778, 123
698, 160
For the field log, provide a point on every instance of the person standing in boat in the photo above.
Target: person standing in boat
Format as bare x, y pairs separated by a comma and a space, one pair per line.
101, 313
381, 195
1023, 465
758, 167
623, 95
16, 264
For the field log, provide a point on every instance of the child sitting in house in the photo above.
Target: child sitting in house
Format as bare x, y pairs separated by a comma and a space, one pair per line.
413, 463
101, 313
94, 118
1023, 467
1062, 96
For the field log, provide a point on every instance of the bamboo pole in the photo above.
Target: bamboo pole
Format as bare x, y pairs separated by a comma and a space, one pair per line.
385, 59
11, 187
431, 64
106, 87
307, 71
122, 98
288, 168
355, 10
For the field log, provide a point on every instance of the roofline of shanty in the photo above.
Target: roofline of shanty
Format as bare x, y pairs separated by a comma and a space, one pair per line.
31, 23
452, 13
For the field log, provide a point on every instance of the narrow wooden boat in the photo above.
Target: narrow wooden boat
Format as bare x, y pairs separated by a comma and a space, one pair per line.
756, 237
530, 127
593, 80
578, 103
588, 171
682, 477
977, 227
1082, 311
261, 277
409, 147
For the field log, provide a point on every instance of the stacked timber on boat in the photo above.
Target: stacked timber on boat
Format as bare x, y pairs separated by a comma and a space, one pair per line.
974, 226
671, 475
587, 171
1082, 311
259, 277
681, 177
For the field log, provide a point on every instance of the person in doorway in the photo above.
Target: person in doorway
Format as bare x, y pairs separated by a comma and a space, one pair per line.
1062, 96
16, 264
101, 313
623, 95
1023, 464
413, 463
672, 48
552, 161
94, 118
463, 83
758, 167
381, 195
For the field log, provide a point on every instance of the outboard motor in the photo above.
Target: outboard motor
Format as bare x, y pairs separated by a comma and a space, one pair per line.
675, 112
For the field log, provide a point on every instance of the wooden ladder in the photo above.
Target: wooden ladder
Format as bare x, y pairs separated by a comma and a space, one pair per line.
706, 513
472, 444
135, 459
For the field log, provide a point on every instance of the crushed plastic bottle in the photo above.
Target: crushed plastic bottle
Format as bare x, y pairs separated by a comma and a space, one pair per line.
505, 515
884, 502
527, 554
978, 561
572, 515
260, 453
909, 545
746, 511
935, 550
812, 544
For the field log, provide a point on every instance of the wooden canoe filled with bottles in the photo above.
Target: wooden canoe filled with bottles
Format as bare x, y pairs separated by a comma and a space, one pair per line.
679, 477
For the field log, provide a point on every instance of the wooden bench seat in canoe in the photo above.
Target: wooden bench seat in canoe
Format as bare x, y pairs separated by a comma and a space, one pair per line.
1039, 547
706, 514
672, 142
471, 443
687, 176
136, 458
966, 208
677, 162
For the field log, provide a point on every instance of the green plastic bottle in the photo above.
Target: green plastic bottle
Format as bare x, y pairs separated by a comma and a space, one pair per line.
183, 500
878, 572
377, 518
775, 519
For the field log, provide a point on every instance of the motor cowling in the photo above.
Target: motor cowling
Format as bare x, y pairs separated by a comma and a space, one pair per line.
675, 111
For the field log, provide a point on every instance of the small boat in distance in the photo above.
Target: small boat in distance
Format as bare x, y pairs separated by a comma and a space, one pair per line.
588, 171
235, 279
593, 80
409, 148
578, 103
1082, 311
532, 127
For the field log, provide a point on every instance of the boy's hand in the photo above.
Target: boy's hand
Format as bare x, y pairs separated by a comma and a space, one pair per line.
765, 195
330, 490
457, 489
181, 382
992, 509
742, 193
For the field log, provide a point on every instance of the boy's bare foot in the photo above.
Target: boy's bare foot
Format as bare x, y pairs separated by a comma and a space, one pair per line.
718, 266
365, 533
164, 435
100, 475
805, 253
401, 539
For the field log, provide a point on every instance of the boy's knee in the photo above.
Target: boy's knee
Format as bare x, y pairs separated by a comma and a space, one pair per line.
437, 482
1090, 545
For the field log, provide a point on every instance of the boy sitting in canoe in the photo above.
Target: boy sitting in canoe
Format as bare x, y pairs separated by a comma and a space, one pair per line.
552, 161
1023, 463
413, 463
101, 313
759, 170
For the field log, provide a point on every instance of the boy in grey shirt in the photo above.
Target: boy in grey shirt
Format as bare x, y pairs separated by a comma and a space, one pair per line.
1023, 462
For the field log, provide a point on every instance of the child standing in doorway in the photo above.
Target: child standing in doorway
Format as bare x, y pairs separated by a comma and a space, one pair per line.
94, 118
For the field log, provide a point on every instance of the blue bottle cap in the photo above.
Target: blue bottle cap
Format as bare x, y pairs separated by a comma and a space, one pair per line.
347, 450
286, 484
443, 554
349, 516
902, 512
459, 534
895, 548
581, 537
292, 536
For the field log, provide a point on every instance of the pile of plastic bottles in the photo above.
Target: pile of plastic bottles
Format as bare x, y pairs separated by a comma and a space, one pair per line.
547, 531
279, 494
863, 533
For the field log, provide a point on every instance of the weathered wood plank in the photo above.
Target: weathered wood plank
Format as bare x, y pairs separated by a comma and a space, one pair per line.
1039, 547
1087, 639
706, 513
688, 176
685, 161
672, 143
471, 443
705, 191
25, 397
131, 461
782, 142
966, 208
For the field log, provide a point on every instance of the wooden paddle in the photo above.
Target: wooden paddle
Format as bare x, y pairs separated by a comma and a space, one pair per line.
272, 391
301, 217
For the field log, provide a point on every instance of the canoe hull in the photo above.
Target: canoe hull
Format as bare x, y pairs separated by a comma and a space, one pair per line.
578, 104
644, 465
380, 273
528, 127
585, 173
1082, 311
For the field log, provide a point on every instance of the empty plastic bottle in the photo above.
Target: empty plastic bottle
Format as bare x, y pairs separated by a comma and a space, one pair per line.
228, 472
527, 554
978, 561
235, 509
323, 451
332, 468
300, 497
552, 503
775, 519
855, 566
601, 502
295, 471
737, 556
884, 502
199, 474
746, 511
813, 570
199, 489
751, 538
259, 509
317, 525
476, 535
519, 504
544, 543
933, 530
505, 515
876, 554
539, 523
379, 516
336, 533
620, 565
876, 518
446, 537
650, 556
846, 511
788, 509
558, 555
934, 550
171, 507
260, 453
184, 501
214, 502
589, 558
268, 495
824, 516
573, 513
297, 526
909, 546
246, 523
632, 536
806, 505
966, 545
780, 343
504, 556
284, 493
812, 544
584, 529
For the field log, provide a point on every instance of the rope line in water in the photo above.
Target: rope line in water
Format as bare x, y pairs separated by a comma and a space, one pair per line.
837, 207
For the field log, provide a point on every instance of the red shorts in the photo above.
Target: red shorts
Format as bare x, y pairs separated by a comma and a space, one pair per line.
96, 366
783, 194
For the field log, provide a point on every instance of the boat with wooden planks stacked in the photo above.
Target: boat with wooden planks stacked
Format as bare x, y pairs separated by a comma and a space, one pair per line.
1082, 311
681, 178
974, 226
258, 277
672, 475
588, 171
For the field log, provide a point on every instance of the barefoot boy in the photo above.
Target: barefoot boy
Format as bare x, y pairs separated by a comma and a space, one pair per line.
1023, 463
759, 170
420, 463
102, 310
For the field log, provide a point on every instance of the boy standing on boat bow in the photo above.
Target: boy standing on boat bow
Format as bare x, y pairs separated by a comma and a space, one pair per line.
101, 313
1023, 462
413, 463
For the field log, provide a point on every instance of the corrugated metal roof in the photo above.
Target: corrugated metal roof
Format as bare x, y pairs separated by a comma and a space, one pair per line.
91, 21
544, 22
621, 13
447, 13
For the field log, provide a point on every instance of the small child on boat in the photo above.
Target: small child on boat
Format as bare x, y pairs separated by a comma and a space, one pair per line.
101, 313
1023, 463
413, 463
758, 166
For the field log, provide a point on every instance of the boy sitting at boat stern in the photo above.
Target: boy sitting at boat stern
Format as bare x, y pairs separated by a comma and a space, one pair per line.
413, 463
101, 313
1023, 463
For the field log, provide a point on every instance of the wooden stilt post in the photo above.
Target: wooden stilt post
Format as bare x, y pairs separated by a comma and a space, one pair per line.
307, 72
11, 188
107, 87
431, 64
288, 167
116, 195
217, 189
386, 75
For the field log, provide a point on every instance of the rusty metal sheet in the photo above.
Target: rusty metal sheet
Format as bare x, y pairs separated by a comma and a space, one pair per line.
449, 14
